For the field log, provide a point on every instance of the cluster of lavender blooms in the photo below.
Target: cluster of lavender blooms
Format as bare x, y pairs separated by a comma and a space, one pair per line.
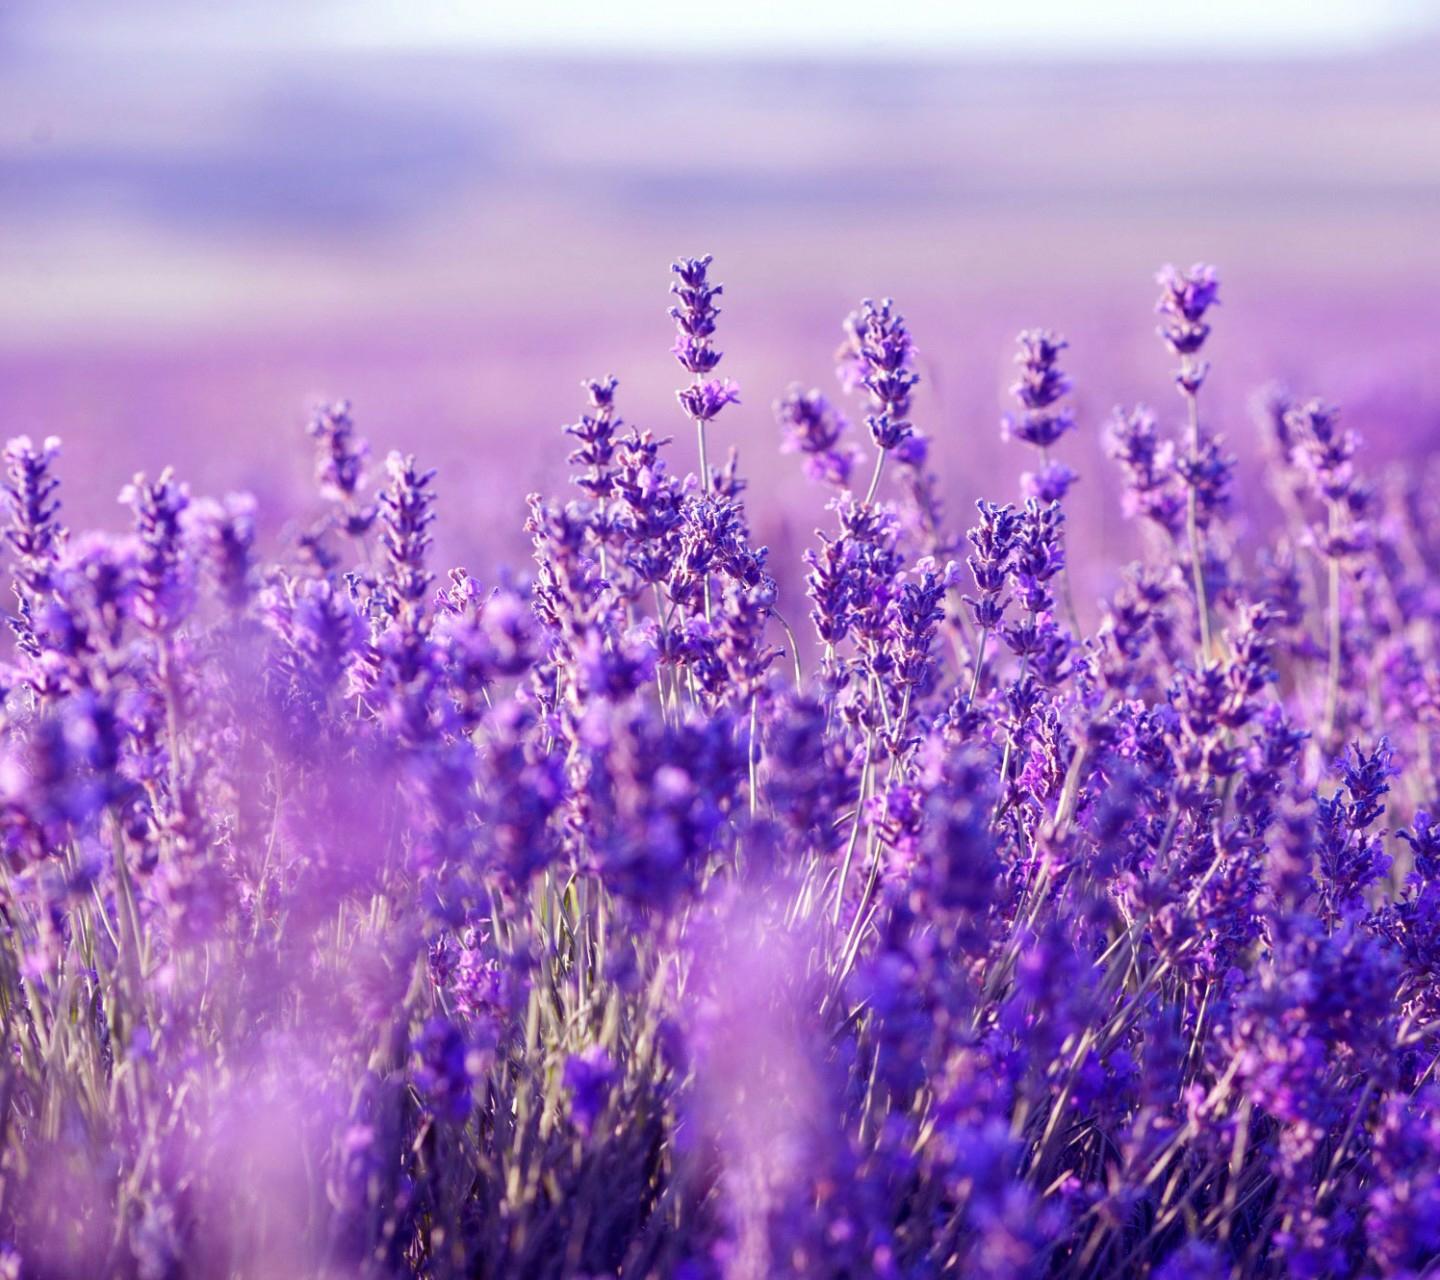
364, 920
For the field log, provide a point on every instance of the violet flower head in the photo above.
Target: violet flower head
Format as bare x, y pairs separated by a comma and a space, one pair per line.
694, 317
406, 514
1350, 856
649, 511
596, 433
444, 1071
33, 531
878, 355
1039, 554
1324, 448
1050, 484
830, 584
1270, 407
164, 580
1041, 385
590, 1078
994, 540
1208, 471
1403, 1221
1424, 841
1148, 461
225, 533
340, 454
695, 314
1185, 297
919, 612
814, 427
704, 400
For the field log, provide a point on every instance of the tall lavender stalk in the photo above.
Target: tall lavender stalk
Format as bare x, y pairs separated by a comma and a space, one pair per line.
1327, 450
878, 355
1184, 299
33, 532
1043, 422
694, 317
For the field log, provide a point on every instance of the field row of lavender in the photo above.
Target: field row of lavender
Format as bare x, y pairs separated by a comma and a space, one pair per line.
618, 919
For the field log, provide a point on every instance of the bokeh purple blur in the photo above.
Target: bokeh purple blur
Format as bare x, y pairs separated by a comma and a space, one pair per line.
204, 237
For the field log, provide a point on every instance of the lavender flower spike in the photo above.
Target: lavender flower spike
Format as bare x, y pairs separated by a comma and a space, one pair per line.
1185, 297
1040, 423
814, 427
694, 317
33, 532
878, 354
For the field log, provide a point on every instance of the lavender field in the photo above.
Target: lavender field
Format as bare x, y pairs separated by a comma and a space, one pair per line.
931, 786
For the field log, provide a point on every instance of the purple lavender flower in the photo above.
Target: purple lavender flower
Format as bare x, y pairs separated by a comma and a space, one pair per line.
1403, 1222
406, 515
165, 578
1050, 484
444, 1070
1185, 297
34, 533
694, 317
1149, 464
704, 400
225, 532
994, 539
590, 1077
814, 427
877, 355
596, 432
340, 454
1040, 424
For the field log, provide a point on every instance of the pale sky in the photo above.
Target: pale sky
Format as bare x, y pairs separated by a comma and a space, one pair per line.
784, 27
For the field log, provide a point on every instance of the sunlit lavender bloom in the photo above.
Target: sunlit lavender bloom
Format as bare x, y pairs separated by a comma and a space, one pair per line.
406, 514
340, 454
1325, 452
1185, 297
596, 433
1349, 856
1041, 385
830, 587
1039, 554
694, 317
164, 576
1404, 1202
226, 533
704, 400
1424, 842
918, 614
33, 532
1152, 490
878, 355
1207, 472
994, 540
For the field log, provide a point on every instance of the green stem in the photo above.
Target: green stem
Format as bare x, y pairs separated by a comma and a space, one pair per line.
875, 479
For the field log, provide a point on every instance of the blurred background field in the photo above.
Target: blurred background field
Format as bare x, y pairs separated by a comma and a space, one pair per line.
205, 232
